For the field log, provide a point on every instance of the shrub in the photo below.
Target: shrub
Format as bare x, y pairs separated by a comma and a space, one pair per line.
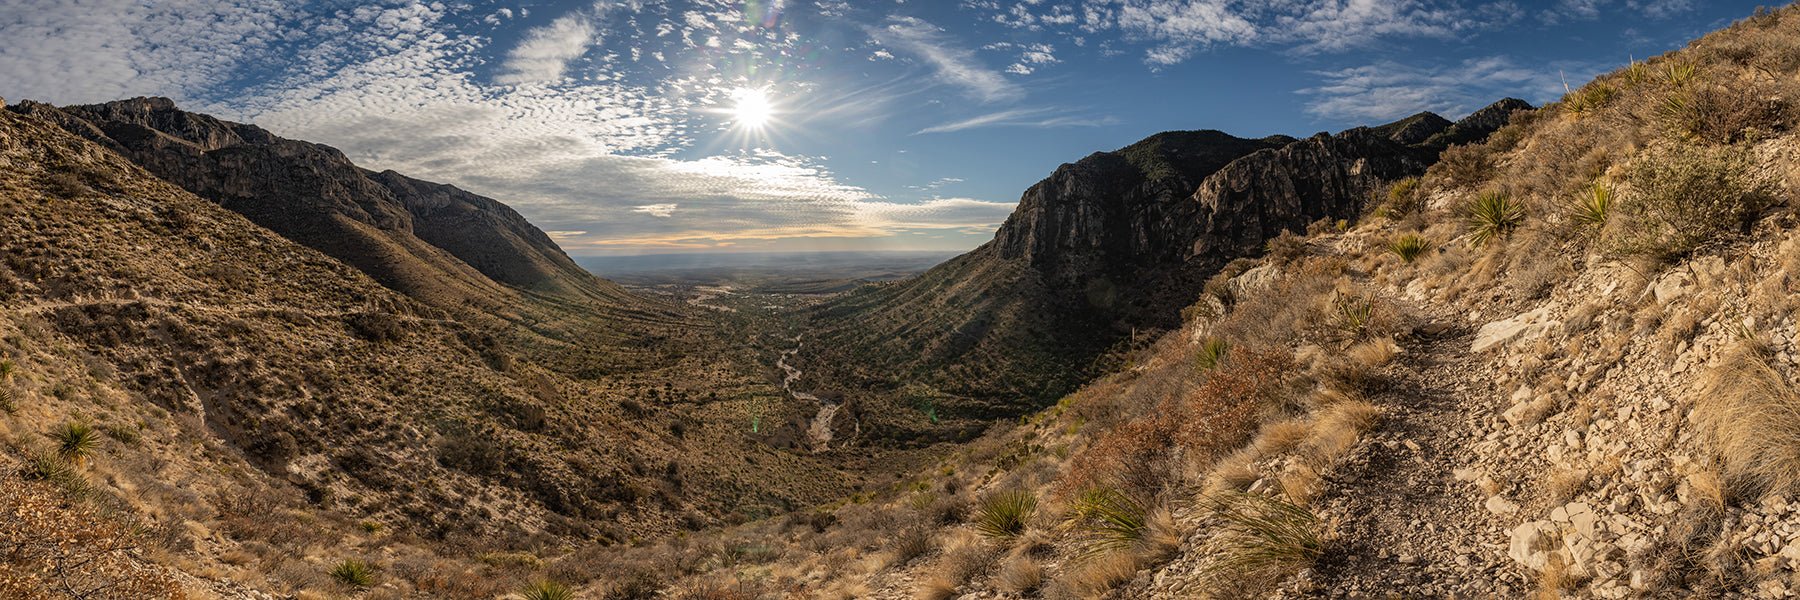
8, 402
1003, 516
1021, 575
1680, 73
1286, 247
1465, 165
1593, 206
1408, 246
1108, 518
376, 327
75, 440
547, 589
1590, 98
354, 573
1682, 197
1402, 198
1351, 314
1747, 410
911, 543
1492, 215
1262, 533
1212, 353
7, 369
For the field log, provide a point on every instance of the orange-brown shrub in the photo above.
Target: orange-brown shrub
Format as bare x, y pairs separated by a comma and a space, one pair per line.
1202, 425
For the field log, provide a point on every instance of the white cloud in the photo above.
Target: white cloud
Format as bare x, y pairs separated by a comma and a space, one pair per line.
952, 64
546, 51
1043, 117
1389, 90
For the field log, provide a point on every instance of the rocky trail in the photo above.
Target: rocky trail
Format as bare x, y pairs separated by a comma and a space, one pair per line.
1409, 515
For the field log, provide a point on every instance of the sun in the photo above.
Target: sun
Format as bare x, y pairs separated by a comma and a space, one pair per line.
752, 108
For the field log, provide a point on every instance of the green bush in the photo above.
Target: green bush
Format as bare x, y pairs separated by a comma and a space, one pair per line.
547, 590
354, 573
1109, 519
1682, 197
1492, 215
1593, 206
1212, 353
74, 440
1408, 246
1004, 515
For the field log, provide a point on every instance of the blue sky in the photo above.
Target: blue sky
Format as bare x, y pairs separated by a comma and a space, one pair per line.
628, 127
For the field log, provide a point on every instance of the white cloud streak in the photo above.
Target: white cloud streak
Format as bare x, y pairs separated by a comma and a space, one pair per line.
952, 64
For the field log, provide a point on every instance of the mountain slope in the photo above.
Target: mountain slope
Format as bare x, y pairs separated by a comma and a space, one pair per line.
1105, 250
453, 250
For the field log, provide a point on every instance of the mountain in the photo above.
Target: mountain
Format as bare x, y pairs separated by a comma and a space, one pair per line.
1105, 250
454, 250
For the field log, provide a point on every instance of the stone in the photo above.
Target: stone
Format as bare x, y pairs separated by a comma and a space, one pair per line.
1522, 328
1533, 543
1499, 505
1672, 287
1529, 412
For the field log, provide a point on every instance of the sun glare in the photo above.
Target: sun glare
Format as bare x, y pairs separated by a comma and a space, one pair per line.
753, 109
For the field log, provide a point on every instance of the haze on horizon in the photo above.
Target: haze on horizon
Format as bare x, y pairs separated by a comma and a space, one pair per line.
644, 127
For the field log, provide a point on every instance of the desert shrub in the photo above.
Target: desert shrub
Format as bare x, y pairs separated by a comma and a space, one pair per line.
1286, 247
637, 584
1465, 165
1260, 534
8, 400
55, 469
1750, 414
1682, 197
546, 589
1492, 215
354, 573
1402, 198
1351, 313
911, 543
1212, 353
376, 326
1589, 98
64, 184
60, 549
1004, 515
1724, 114
1108, 519
1408, 246
75, 440
1593, 206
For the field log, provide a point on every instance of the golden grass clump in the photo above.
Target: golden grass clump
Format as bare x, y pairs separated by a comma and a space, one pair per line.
1750, 413
1261, 534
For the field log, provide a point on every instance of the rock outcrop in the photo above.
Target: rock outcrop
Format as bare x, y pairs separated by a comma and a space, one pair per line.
1109, 249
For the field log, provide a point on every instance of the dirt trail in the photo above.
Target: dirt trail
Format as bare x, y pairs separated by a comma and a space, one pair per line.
1405, 523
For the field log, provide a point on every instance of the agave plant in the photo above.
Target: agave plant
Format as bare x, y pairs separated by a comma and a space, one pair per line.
1680, 73
1492, 215
1594, 205
1408, 246
1111, 519
547, 589
354, 573
75, 440
1004, 515
1212, 353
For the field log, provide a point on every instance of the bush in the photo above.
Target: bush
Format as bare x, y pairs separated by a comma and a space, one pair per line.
376, 327
1466, 165
1003, 516
75, 440
1492, 215
547, 590
1408, 246
1590, 98
1108, 518
1261, 534
354, 573
1681, 197
1212, 353
1593, 206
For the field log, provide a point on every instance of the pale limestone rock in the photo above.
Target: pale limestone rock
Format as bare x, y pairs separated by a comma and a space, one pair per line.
1524, 327
1499, 505
1533, 543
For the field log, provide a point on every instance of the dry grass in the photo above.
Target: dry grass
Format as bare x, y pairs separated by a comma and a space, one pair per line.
1750, 413
1564, 483
1094, 578
1021, 575
1261, 534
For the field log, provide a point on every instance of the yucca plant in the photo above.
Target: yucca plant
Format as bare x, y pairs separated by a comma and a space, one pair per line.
1262, 532
1003, 516
1492, 215
1212, 353
1590, 98
354, 573
1351, 313
1636, 73
1594, 205
75, 440
546, 589
7, 369
8, 403
1679, 73
1408, 246
1110, 519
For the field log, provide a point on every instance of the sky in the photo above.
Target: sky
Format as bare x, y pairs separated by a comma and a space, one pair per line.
645, 127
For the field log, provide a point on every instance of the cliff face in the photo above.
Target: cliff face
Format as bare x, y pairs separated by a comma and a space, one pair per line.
433, 242
1104, 250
